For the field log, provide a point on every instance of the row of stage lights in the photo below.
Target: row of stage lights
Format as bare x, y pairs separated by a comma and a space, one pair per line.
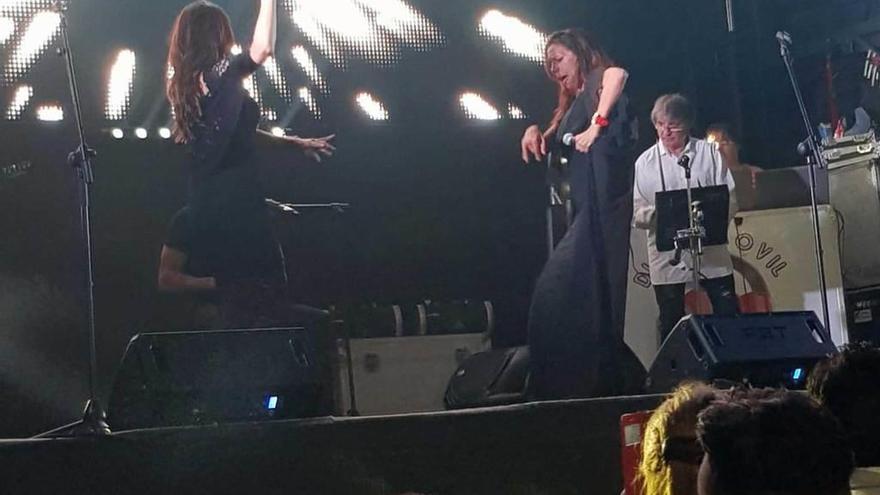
384, 27
473, 105
161, 132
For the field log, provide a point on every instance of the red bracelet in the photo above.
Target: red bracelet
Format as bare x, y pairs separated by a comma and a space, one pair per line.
599, 120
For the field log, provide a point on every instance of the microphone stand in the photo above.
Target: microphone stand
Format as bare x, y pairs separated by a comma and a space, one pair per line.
294, 208
695, 233
340, 324
94, 417
818, 160
555, 180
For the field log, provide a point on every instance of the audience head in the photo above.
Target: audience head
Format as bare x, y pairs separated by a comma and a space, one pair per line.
722, 135
848, 384
772, 442
670, 452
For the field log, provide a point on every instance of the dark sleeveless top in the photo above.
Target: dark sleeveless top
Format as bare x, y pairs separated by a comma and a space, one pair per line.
231, 235
577, 118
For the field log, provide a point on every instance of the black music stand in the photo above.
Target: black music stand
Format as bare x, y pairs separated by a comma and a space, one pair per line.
710, 207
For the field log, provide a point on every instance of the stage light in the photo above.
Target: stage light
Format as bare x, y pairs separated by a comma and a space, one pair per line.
515, 112
311, 70
50, 113
20, 101
374, 30
277, 132
120, 86
276, 78
40, 32
517, 37
164, 133
117, 133
371, 106
309, 100
475, 107
141, 133
7, 29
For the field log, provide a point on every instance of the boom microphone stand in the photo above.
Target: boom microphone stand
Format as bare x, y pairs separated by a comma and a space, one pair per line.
94, 416
785, 50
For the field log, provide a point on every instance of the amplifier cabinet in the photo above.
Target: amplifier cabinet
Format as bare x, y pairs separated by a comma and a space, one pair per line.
394, 375
856, 196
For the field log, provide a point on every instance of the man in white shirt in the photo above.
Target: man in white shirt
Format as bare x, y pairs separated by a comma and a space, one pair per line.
657, 170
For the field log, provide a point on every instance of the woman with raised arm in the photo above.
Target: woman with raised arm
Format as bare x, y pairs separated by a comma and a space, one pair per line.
578, 308
230, 239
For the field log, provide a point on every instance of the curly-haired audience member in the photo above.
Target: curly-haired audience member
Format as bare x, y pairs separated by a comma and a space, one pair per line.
848, 385
670, 453
772, 442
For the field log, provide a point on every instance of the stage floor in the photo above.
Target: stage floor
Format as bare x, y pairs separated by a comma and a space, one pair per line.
563, 447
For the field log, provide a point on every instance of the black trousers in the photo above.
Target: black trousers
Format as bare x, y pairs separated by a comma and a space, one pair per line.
670, 300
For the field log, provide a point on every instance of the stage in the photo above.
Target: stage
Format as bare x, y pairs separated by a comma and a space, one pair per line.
555, 447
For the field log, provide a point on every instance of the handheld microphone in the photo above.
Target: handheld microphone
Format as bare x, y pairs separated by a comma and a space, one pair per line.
783, 37
784, 40
568, 139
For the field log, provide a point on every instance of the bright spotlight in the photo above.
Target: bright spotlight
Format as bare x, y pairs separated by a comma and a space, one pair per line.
371, 106
141, 133
308, 66
310, 102
117, 133
50, 113
276, 78
7, 29
515, 112
120, 85
40, 32
517, 37
373, 30
20, 101
164, 133
277, 132
475, 107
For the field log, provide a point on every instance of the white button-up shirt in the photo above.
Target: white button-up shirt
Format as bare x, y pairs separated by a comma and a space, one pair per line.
706, 170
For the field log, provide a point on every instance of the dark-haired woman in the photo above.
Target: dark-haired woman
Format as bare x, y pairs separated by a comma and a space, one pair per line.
230, 236
577, 313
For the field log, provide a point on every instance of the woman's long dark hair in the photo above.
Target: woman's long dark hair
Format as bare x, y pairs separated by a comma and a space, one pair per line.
201, 37
590, 57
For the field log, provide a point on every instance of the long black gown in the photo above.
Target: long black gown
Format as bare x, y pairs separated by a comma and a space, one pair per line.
578, 308
232, 239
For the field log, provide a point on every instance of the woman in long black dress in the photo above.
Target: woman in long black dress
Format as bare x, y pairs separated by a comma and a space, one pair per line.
578, 308
231, 242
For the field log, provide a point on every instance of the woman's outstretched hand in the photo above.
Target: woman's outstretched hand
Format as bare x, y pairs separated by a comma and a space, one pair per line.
533, 144
315, 148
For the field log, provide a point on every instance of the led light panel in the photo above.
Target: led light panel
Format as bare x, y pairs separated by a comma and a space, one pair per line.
477, 108
515, 36
371, 106
50, 113
120, 86
20, 101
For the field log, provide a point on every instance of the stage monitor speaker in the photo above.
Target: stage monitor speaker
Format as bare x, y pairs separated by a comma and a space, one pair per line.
207, 377
773, 349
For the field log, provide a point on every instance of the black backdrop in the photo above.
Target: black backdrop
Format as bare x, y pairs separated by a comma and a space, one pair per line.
442, 206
